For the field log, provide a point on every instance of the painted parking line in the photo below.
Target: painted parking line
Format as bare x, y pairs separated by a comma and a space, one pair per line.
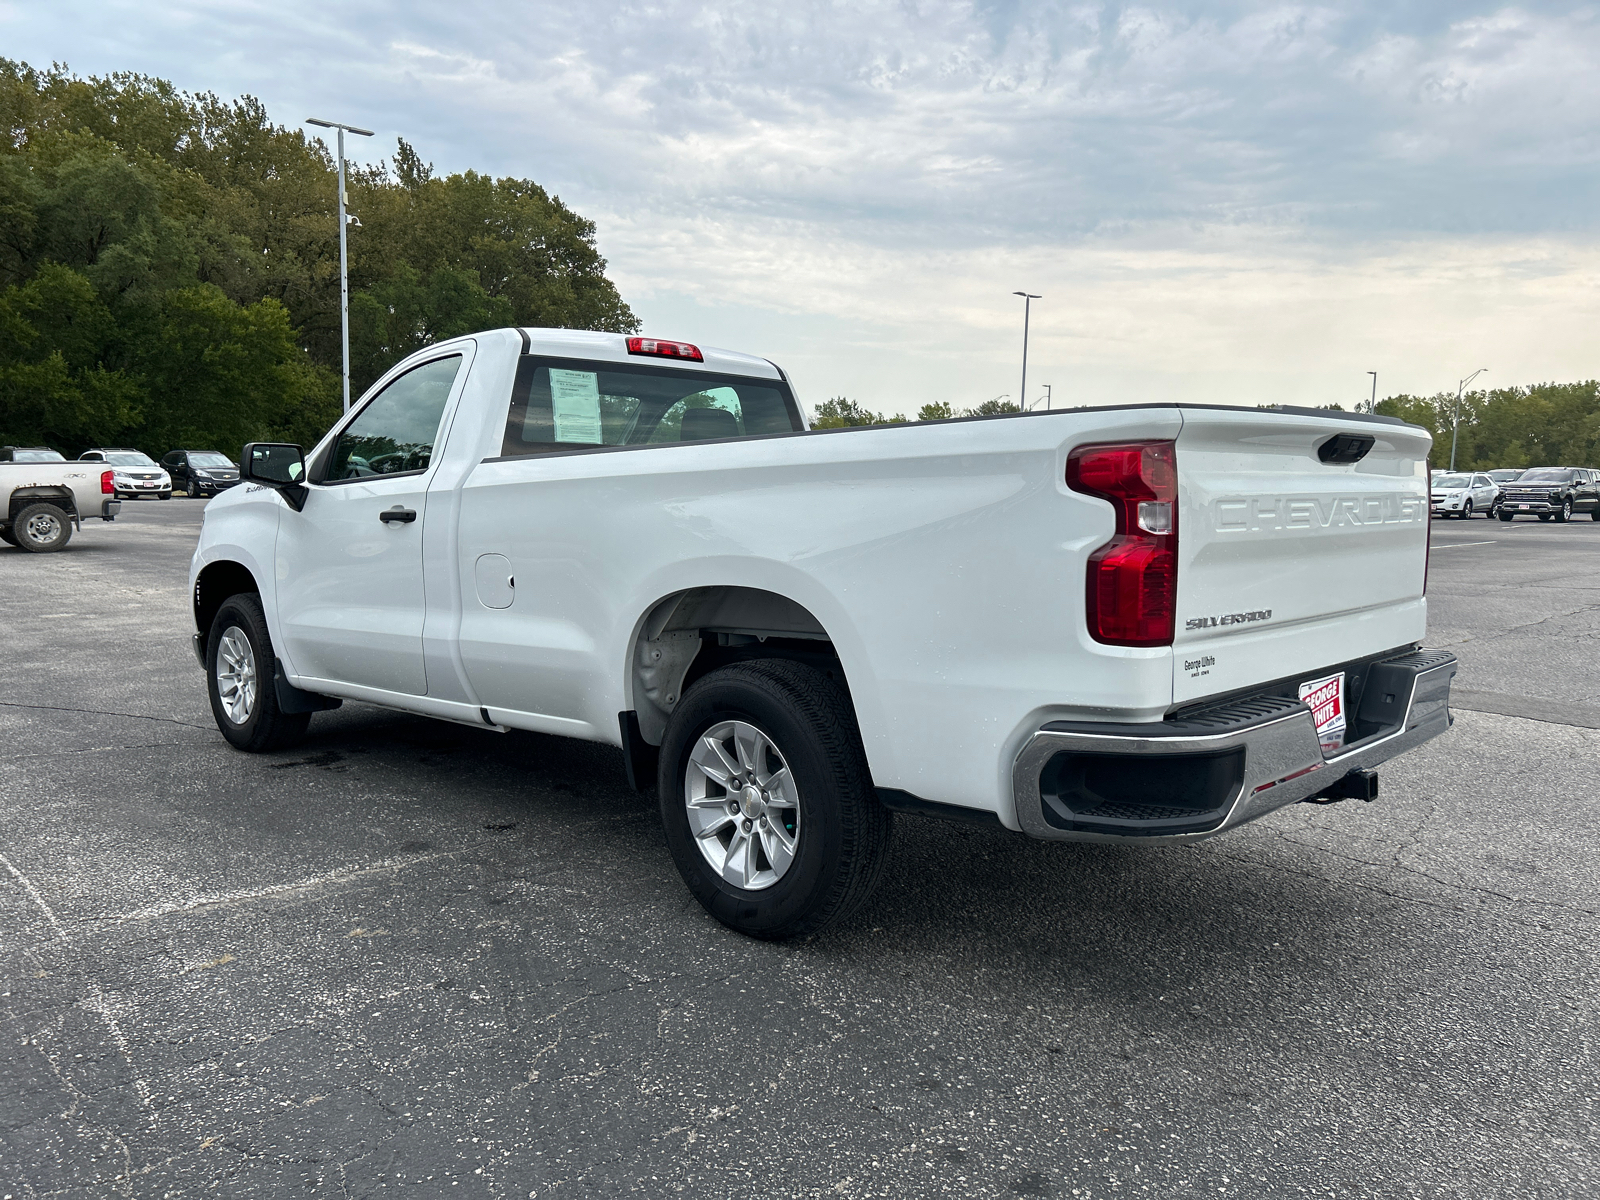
1458, 545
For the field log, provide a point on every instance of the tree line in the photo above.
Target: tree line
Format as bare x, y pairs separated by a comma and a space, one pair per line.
1540, 425
1543, 424
169, 266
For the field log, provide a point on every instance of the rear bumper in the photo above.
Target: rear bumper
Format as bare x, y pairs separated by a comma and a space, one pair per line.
109, 509
1181, 781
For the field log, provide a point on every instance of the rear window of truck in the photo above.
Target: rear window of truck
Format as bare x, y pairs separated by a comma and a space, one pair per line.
564, 404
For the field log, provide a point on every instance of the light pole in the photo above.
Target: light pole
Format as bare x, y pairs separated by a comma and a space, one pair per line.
1045, 398
1027, 303
1455, 417
1372, 404
344, 271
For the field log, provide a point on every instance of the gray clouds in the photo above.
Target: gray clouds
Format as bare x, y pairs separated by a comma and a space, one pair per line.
1230, 201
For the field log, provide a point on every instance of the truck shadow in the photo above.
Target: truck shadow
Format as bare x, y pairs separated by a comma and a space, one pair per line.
1031, 921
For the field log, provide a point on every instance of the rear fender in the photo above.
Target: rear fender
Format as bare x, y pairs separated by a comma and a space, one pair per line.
61, 497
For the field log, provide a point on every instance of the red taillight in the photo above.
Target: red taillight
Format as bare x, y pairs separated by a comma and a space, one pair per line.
107, 488
664, 349
1133, 579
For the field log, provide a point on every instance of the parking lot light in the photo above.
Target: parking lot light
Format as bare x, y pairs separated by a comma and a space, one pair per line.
1455, 418
344, 272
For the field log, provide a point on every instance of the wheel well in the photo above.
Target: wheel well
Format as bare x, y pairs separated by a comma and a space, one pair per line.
692, 633
61, 497
214, 585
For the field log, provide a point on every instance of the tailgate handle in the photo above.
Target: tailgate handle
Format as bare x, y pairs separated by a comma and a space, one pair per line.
1345, 447
397, 514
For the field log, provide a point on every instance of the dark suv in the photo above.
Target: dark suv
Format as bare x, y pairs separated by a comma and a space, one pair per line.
1552, 493
201, 472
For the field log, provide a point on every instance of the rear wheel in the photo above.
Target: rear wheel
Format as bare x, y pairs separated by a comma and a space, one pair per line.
768, 803
41, 528
240, 666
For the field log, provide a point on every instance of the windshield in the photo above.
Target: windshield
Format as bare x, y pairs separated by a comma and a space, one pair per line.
1546, 475
1445, 482
208, 459
1506, 475
128, 458
36, 456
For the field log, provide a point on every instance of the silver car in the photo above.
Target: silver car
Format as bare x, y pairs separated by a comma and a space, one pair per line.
1464, 493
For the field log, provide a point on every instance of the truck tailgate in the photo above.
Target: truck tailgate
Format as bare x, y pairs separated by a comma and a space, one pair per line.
1288, 563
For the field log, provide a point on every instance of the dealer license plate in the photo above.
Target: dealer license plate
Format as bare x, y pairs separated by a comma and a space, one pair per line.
1524, 507
1325, 698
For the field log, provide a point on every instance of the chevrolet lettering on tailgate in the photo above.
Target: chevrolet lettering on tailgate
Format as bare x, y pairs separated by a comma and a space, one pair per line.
1248, 515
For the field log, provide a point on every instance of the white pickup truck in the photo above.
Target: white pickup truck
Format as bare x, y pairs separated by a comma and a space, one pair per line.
42, 500
1145, 624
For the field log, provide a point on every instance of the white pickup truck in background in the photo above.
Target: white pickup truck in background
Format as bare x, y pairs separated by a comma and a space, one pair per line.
1145, 624
42, 502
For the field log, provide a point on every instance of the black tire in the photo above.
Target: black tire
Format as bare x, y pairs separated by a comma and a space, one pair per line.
1594, 513
41, 529
844, 832
1466, 512
194, 490
1544, 516
1565, 514
1505, 516
264, 726
166, 495
8, 537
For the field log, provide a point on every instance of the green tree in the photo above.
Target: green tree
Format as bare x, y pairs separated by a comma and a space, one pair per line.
840, 412
991, 408
148, 236
935, 410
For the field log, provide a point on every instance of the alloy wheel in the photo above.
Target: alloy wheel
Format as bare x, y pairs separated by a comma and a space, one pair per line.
744, 811
236, 675
43, 527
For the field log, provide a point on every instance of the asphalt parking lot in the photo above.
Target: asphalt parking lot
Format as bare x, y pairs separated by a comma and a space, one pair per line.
413, 957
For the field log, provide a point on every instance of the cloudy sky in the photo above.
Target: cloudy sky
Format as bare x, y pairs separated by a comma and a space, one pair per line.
1218, 202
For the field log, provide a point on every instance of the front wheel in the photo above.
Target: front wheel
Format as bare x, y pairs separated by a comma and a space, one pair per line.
41, 529
1505, 516
1565, 514
194, 490
768, 803
1466, 511
239, 676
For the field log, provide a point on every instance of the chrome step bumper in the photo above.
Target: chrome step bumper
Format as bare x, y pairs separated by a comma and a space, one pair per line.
1213, 770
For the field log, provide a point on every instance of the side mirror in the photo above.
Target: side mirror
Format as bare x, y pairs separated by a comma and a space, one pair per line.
277, 465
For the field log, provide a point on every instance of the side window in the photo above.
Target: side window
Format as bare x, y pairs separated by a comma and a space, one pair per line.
395, 433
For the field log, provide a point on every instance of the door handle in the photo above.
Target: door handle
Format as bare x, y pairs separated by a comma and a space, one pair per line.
403, 515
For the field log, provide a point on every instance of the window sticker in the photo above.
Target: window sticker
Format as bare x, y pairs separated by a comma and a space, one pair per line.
575, 405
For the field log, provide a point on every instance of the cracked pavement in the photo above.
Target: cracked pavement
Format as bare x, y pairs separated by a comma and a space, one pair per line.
419, 958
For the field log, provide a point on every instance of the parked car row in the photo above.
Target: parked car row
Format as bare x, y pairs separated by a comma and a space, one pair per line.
199, 473
1549, 493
